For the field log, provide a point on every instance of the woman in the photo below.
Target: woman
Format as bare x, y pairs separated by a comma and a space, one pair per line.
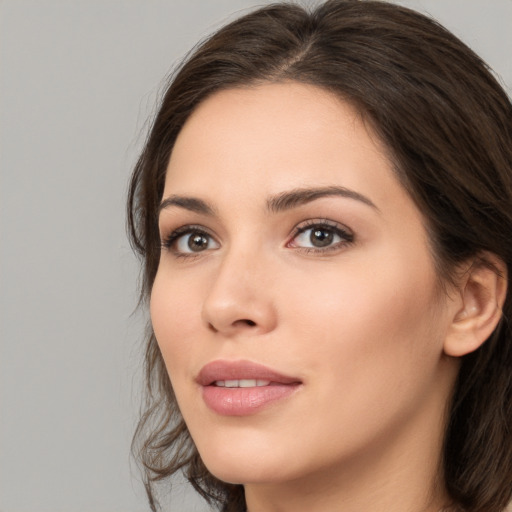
324, 211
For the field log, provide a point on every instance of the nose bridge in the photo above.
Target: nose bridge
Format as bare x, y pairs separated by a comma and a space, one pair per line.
239, 298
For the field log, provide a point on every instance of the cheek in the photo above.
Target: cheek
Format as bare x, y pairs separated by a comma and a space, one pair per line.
175, 312
367, 343
372, 318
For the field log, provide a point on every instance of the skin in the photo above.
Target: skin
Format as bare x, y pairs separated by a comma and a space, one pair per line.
362, 322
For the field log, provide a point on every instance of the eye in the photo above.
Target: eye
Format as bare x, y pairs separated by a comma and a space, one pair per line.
321, 237
189, 240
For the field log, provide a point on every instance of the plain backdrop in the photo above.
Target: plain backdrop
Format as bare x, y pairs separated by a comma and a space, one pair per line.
78, 81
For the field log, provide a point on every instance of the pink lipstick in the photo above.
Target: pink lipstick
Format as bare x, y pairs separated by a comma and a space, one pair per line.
242, 388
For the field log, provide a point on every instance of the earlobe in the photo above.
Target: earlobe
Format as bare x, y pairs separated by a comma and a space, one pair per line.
482, 294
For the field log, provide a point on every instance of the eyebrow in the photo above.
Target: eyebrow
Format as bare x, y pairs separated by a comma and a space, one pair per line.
192, 204
299, 196
281, 202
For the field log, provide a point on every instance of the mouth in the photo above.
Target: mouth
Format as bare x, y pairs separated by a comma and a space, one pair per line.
241, 383
242, 388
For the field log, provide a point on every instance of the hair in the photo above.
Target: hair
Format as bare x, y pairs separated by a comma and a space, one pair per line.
447, 125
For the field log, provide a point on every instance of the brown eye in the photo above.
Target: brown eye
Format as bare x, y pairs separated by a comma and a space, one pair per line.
318, 237
197, 242
321, 237
191, 241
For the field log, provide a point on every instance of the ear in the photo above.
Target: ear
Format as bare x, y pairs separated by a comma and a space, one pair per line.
482, 290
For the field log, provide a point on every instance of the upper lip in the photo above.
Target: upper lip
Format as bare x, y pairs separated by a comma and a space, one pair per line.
237, 370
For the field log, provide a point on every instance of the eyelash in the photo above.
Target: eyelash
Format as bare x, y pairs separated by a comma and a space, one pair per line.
346, 236
169, 241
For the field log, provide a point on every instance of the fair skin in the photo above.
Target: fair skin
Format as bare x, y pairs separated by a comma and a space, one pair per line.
335, 288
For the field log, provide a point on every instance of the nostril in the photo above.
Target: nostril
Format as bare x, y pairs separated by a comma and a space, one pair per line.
245, 321
238, 323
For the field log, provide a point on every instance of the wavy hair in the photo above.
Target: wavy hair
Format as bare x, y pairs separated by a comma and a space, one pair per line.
447, 124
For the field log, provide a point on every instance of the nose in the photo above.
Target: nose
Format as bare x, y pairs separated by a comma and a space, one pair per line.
239, 300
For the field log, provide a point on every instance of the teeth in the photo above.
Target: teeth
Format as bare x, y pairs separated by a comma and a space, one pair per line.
242, 383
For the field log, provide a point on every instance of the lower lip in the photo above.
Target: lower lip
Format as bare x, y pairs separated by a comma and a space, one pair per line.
245, 401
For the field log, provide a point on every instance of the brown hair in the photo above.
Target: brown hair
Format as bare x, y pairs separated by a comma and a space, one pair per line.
447, 124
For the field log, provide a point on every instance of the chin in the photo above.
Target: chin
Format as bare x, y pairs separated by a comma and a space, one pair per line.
236, 465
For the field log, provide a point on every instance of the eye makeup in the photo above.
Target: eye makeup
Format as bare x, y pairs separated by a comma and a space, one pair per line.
320, 236
189, 240
314, 236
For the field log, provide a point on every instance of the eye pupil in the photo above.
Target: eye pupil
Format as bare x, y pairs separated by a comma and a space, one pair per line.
197, 242
321, 237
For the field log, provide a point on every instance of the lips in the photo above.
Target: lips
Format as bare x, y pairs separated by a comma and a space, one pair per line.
240, 370
240, 388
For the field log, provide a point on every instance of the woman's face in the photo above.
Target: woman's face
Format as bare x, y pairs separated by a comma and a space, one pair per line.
296, 303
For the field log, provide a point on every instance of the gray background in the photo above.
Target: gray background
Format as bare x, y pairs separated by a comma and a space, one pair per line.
78, 81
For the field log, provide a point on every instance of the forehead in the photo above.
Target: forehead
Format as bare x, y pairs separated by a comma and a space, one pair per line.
272, 137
